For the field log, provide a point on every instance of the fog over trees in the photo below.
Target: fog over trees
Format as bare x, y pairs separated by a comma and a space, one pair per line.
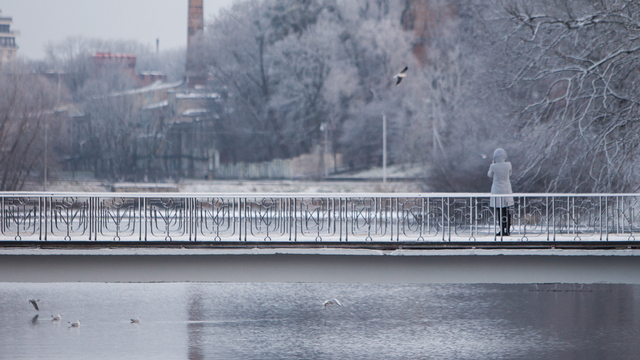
552, 82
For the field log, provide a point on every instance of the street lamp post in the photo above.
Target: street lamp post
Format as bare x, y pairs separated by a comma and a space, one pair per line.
46, 131
384, 148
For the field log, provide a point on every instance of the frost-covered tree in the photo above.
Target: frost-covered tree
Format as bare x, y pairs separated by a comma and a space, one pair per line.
26, 105
295, 68
574, 76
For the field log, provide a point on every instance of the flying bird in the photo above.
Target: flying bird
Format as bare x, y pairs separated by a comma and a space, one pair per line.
34, 320
331, 302
402, 74
56, 318
75, 324
34, 302
136, 320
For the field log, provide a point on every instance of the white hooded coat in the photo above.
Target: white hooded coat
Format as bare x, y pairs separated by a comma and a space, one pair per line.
500, 171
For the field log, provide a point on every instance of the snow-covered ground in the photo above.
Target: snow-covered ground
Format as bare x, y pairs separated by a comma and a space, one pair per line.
402, 178
235, 186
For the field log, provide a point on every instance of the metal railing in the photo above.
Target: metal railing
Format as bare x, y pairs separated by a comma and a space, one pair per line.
433, 217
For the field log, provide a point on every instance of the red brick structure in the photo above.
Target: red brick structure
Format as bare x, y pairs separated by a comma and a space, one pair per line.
104, 60
195, 74
428, 19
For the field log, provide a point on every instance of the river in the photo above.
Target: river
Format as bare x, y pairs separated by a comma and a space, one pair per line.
289, 321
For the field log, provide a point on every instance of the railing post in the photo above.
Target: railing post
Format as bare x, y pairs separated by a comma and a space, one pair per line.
622, 213
547, 217
449, 217
346, 219
568, 217
289, 217
47, 205
295, 219
500, 222
442, 218
553, 214
90, 218
606, 219
239, 219
471, 217
390, 210
423, 218
145, 218
399, 216
39, 217
139, 217
428, 217
340, 218
522, 206
246, 219
617, 215
600, 215
331, 203
195, 219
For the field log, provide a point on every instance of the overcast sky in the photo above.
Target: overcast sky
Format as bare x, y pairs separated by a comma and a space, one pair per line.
41, 21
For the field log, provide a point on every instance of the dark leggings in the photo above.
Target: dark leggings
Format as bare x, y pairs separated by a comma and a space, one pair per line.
505, 220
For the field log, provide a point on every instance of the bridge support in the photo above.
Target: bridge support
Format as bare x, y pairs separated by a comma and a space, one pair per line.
320, 265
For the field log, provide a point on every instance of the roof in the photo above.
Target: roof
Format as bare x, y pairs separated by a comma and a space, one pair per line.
197, 95
157, 105
156, 86
194, 112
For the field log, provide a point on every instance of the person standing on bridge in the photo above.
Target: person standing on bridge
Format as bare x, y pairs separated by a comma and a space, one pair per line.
500, 171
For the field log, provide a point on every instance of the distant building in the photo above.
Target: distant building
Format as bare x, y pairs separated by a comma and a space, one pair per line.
8, 47
147, 78
127, 62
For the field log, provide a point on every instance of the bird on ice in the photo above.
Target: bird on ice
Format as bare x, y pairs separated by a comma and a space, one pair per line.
56, 318
75, 324
136, 320
34, 302
331, 302
402, 74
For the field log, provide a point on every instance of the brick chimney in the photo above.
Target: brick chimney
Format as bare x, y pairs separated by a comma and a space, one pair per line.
195, 74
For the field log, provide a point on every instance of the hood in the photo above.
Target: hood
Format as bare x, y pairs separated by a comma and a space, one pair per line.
499, 156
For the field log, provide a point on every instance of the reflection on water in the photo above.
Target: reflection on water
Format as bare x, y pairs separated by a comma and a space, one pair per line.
264, 321
195, 325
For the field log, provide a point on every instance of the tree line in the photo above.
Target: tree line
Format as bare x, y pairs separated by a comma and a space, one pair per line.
552, 82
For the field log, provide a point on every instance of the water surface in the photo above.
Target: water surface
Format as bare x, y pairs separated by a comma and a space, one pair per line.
288, 321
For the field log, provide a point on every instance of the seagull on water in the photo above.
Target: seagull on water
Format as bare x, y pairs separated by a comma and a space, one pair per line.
56, 318
331, 302
75, 324
402, 74
136, 320
34, 302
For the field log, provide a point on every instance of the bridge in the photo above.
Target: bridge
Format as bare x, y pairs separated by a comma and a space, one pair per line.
431, 237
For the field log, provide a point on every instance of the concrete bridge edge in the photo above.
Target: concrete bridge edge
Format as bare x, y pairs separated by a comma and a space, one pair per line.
321, 265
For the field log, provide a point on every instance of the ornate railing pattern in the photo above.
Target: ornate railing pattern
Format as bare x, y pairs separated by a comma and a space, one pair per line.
315, 217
